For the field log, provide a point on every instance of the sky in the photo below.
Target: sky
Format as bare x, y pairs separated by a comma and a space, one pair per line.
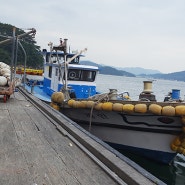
120, 33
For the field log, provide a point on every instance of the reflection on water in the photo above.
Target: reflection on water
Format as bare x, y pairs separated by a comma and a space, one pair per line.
173, 174
178, 170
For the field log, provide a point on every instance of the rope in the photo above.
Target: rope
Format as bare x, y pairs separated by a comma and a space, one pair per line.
99, 99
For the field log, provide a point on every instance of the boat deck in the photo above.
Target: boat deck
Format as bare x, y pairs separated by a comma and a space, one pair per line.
34, 151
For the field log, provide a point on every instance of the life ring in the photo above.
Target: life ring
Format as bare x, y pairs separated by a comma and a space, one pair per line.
72, 75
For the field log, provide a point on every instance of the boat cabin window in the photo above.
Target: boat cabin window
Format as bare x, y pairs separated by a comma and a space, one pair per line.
54, 58
56, 71
81, 75
75, 60
50, 71
74, 74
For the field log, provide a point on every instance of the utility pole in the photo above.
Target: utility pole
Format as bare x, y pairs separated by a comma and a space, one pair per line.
13, 53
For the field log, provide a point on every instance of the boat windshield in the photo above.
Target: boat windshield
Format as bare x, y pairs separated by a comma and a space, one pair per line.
54, 58
81, 75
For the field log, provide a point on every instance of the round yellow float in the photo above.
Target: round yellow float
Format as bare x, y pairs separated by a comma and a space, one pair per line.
70, 102
107, 106
90, 104
183, 120
98, 106
128, 108
57, 97
180, 110
155, 109
174, 147
55, 106
117, 107
82, 104
140, 108
177, 141
168, 111
180, 150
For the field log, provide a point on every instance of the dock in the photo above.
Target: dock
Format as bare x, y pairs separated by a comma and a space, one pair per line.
40, 146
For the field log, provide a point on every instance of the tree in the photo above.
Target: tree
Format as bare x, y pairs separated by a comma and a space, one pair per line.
34, 57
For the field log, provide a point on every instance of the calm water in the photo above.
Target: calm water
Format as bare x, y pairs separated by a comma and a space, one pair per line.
173, 174
135, 86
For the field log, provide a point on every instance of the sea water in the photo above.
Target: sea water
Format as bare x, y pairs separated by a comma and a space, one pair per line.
135, 85
173, 174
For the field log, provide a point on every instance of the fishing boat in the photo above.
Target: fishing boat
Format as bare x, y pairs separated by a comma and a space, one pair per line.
155, 130
63, 72
145, 127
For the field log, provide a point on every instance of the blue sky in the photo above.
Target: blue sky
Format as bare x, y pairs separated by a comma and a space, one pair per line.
121, 33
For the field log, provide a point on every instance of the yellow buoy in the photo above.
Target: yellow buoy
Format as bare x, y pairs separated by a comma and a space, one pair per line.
173, 147
183, 144
54, 105
117, 107
82, 104
180, 110
140, 108
180, 150
183, 120
98, 106
155, 109
76, 104
107, 106
168, 111
183, 152
177, 141
90, 104
128, 108
70, 102
57, 97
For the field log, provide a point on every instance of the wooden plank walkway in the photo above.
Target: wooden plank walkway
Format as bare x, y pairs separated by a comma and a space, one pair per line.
34, 152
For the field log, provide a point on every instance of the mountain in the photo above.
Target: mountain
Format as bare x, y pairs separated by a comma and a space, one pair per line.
108, 70
179, 76
139, 70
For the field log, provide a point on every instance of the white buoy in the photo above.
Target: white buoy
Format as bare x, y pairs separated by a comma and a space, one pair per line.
3, 81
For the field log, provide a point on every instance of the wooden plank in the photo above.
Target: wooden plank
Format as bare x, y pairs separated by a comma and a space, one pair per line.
33, 151
13, 169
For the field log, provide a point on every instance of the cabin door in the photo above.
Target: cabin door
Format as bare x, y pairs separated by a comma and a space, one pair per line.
54, 79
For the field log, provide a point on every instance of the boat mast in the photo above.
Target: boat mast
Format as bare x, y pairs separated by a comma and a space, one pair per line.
65, 63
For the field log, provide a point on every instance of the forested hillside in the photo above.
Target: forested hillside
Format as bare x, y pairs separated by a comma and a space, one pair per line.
34, 58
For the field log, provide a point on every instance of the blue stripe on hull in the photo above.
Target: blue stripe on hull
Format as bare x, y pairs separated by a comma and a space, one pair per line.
162, 157
81, 91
